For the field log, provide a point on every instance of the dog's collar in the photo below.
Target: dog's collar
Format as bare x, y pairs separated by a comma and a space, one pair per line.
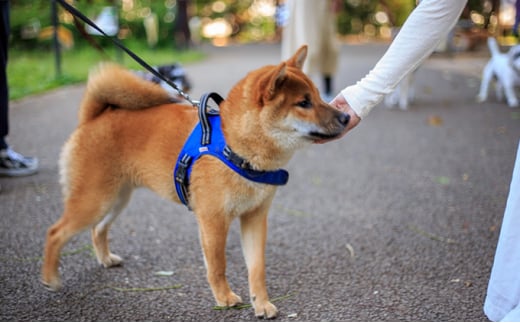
208, 139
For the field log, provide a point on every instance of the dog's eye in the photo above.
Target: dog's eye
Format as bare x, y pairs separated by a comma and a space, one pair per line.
304, 104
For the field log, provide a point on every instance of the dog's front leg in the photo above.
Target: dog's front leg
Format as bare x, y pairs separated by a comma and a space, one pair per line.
487, 75
213, 234
254, 232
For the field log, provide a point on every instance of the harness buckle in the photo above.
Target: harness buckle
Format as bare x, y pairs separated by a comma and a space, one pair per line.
184, 164
235, 159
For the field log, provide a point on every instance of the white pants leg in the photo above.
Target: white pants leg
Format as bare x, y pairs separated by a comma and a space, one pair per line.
503, 295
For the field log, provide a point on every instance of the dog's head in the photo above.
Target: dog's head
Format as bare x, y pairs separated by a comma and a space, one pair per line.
282, 106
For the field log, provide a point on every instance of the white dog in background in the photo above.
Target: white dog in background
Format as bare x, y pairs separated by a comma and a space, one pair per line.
403, 95
505, 68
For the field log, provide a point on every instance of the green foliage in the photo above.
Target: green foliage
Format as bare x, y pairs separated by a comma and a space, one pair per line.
399, 10
31, 63
358, 13
26, 19
28, 15
31, 72
354, 15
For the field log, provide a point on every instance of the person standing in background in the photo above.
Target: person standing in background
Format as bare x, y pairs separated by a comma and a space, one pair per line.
313, 22
11, 162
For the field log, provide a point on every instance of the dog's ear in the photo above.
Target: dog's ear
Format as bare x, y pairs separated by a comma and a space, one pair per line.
276, 80
298, 58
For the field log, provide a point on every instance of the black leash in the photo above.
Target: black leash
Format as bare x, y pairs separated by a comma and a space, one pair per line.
75, 12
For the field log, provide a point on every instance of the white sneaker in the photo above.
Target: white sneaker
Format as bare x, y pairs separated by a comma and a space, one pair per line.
14, 164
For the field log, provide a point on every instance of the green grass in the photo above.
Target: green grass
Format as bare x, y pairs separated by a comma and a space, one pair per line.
32, 72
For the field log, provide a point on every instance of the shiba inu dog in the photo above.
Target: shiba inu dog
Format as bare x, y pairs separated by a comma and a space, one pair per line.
131, 135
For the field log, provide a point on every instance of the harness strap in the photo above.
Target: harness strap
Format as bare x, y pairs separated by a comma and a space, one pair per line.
181, 177
207, 139
203, 116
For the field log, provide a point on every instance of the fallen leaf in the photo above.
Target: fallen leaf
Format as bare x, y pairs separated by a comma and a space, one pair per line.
431, 235
292, 212
427, 90
350, 250
435, 121
164, 273
443, 180
502, 130
144, 289
455, 280
317, 181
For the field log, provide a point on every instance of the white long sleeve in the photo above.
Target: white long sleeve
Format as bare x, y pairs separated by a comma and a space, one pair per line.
428, 23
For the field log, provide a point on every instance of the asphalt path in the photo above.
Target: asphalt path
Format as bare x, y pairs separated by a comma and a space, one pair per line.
398, 221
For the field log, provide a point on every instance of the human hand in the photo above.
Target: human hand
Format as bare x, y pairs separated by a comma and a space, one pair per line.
341, 104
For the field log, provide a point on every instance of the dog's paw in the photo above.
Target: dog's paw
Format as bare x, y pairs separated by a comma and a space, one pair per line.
52, 285
480, 99
513, 104
266, 310
229, 300
111, 261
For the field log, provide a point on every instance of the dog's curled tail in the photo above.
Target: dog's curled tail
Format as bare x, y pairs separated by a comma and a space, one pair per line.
111, 85
493, 46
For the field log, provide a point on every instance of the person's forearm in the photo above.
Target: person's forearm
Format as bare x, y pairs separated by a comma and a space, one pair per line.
421, 33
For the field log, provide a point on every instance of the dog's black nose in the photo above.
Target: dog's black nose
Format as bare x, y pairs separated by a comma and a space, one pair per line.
343, 118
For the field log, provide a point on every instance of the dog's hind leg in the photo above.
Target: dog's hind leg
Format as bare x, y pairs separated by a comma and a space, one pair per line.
254, 234
99, 232
79, 214
509, 90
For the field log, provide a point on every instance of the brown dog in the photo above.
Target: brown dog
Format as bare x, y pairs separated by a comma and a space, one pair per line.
129, 135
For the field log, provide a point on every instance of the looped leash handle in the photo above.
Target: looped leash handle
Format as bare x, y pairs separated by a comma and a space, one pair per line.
203, 115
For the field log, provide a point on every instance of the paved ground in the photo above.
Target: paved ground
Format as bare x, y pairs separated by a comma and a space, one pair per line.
396, 222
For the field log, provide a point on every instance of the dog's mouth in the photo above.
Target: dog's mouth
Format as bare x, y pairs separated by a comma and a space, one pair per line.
333, 131
322, 136
321, 132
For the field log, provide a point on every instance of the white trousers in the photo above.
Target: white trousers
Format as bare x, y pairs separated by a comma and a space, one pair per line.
503, 296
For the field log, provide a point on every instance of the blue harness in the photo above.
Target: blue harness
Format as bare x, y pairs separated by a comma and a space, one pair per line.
207, 139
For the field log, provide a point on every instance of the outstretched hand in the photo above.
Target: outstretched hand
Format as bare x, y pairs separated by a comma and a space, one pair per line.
341, 104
